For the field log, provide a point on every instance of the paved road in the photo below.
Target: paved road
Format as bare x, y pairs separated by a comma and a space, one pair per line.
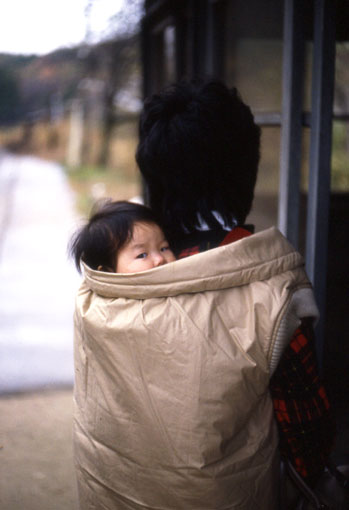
37, 282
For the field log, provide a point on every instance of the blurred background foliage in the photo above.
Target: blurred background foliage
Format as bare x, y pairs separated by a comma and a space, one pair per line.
80, 106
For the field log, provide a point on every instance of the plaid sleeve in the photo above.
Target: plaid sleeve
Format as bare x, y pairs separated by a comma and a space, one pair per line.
306, 426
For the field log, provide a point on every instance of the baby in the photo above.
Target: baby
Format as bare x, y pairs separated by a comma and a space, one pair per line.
121, 237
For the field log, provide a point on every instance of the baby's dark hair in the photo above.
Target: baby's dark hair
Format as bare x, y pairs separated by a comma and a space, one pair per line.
109, 228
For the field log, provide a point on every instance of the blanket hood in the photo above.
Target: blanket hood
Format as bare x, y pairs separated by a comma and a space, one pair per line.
253, 258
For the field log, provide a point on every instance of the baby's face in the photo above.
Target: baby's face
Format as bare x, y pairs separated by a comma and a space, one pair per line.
146, 249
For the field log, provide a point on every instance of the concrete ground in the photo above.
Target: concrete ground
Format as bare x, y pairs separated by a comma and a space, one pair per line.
37, 289
37, 281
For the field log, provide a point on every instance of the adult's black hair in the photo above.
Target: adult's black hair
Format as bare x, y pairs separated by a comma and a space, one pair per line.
109, 228
198, 152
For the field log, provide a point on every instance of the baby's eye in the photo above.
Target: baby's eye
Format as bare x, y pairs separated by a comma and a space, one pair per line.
164, 248
141, 255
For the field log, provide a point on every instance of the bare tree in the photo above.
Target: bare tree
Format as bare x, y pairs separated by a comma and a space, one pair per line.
115, 61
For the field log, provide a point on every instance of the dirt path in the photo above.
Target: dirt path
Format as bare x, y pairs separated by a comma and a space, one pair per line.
36, 458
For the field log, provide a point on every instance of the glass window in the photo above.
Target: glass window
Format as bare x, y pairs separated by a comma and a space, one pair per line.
340, 157
163, 57
253, 61
255, 68
170, 53
340, 132
253, 64
265, 206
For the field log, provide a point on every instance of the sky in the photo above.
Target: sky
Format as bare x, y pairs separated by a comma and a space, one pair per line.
41, 26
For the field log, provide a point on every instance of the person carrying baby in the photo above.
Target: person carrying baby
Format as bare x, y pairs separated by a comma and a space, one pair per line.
173, 360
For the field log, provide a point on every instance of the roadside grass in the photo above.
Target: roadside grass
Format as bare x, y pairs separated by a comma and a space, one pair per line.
340, 157
92, 183
119, 180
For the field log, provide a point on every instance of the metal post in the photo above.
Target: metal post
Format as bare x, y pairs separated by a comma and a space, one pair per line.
291, 136
216, 26
181, 34
320, 155
144, 47
199, 27
210, 54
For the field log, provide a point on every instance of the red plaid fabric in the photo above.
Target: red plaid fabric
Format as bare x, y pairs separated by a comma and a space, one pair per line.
209, 240
302, 410
235, 235
189, 251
